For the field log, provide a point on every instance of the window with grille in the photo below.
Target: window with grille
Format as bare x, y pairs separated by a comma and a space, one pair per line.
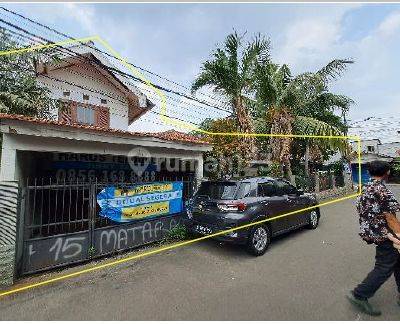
85, 115
73, 112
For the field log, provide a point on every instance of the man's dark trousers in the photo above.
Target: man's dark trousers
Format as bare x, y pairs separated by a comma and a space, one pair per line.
387, 262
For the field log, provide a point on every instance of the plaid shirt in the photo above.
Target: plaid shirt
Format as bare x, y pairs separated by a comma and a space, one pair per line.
375, 200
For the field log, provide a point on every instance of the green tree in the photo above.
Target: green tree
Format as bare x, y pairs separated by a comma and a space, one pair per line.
230, 72
300, 105
19, 90
225, 158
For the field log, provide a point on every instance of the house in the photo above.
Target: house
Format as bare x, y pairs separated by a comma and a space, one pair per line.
372, 150
95, 99
53, 169
380, 140
92, 92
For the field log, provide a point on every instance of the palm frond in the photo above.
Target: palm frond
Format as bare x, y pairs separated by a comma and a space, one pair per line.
334, 69
261, 45
310, 126
232, 43
285, 75
330, 100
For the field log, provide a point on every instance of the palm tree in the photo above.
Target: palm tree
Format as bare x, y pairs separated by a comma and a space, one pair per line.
302, 105
230, 72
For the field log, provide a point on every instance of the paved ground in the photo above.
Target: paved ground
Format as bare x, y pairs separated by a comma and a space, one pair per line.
303, 276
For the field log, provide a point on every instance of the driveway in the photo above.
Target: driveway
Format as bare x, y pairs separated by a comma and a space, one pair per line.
303, 276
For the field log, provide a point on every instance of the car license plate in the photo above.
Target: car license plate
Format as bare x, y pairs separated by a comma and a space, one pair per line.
203, 229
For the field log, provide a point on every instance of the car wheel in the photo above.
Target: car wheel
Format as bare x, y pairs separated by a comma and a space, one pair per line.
259, 240
313, 219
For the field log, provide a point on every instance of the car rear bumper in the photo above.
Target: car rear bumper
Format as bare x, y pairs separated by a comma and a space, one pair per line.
239, 237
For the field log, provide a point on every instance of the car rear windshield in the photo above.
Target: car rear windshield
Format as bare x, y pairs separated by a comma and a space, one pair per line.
224, 190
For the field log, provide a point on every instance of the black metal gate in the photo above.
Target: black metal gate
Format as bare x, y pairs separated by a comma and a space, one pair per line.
61, 225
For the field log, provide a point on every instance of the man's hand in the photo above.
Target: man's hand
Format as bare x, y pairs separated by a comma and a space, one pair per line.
394, 225
392, 222
396, 242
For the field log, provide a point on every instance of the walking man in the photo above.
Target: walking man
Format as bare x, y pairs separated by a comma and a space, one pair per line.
377, 207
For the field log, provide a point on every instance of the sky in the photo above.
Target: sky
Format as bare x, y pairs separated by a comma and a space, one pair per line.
174, 39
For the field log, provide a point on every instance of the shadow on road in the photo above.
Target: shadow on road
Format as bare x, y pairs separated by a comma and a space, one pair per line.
227, 250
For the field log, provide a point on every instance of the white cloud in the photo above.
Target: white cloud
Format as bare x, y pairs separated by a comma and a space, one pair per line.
85, 16
307, 39
372, 81
310, 40
390, 24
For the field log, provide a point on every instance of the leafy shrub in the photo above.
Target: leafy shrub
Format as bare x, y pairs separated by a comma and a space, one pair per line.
274, 170
177, 233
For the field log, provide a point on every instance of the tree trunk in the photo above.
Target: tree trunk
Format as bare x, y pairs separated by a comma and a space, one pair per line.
307, 159
289, 173
245, 123
281, 146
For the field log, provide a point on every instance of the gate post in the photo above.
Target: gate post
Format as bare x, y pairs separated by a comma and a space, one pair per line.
92, 216
9, 191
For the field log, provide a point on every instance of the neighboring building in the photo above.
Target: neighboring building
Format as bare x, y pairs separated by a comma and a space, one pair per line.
370, 151
380, 140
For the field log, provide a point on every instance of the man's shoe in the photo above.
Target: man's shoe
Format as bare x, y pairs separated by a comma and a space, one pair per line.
363, 305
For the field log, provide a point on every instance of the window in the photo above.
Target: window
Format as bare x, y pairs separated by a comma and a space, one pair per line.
85, 115
267, 189
224, 190
370, 148
74, 112
66, 93
85, 97
285, 188
244, 190
218, 190
104, 101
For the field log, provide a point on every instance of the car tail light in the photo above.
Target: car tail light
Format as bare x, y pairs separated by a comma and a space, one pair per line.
232, 207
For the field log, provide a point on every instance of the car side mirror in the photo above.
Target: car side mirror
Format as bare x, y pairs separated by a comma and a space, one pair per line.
300, 192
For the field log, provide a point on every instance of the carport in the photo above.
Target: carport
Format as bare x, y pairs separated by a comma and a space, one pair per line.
51, 174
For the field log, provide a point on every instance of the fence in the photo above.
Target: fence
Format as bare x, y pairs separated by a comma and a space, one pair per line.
61, 224
321, 181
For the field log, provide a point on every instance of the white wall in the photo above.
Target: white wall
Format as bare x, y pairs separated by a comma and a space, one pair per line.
86, 76
365, 144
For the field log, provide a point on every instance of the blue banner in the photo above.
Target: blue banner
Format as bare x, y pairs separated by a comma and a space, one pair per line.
141, 201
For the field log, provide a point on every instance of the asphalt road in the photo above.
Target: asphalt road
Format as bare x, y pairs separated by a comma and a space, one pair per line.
303, 276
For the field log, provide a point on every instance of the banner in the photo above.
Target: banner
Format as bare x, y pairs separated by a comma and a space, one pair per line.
141, 201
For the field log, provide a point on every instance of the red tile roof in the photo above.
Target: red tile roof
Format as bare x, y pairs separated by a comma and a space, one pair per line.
171, 135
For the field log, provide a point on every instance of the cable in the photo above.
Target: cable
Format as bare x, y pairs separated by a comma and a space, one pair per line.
103, 52
87, 89
111, 68
101, 65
